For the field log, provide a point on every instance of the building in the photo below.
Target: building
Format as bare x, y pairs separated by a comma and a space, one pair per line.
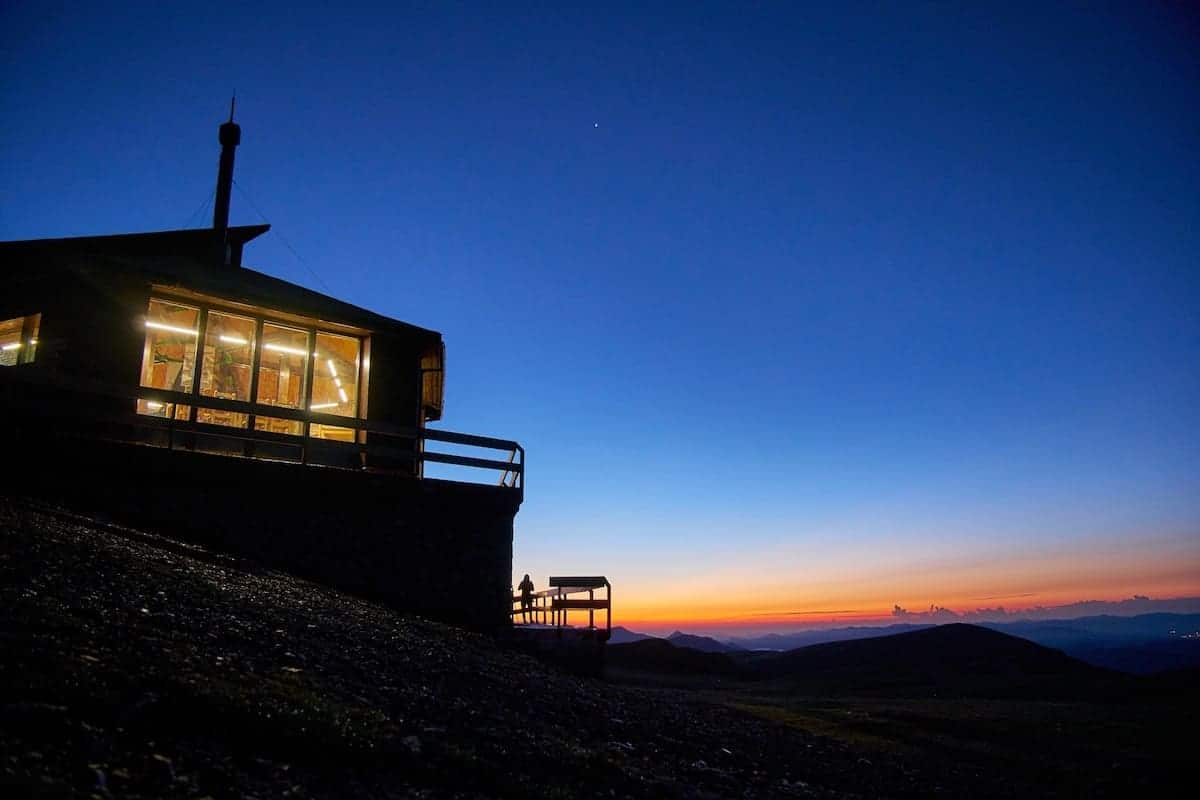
154, 377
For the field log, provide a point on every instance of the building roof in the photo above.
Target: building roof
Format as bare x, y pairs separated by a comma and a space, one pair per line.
186, 258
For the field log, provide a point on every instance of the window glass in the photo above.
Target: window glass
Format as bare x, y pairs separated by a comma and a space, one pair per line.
18, 340
335, 375
281, 369
275, 425
332, 432
152, 408
230, 419
228, 356
169, 359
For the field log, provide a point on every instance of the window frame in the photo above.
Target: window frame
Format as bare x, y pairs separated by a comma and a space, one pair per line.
252, 408
27, 338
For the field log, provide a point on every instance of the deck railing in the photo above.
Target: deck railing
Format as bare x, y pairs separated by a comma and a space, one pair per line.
550, 606
89, 409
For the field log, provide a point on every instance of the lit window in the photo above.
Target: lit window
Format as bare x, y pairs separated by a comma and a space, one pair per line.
335, 375
228, 355
18, 340
281, 369
291, 427
153, 408
230, 349
169, 359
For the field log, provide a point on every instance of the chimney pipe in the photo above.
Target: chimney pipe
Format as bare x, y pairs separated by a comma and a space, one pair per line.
230, 136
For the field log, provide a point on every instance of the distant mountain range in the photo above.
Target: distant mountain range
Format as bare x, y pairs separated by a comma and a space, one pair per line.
704, 644
1143, 644
955, 660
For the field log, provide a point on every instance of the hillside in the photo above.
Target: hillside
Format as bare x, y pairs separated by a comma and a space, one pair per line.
135, 666
139, 666
949, 660
705, 644
661, 656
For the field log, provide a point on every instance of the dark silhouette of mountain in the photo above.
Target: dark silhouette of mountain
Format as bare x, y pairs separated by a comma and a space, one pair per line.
792, 641
1142, 645
704, 644
949, 660
660, 656
622, 635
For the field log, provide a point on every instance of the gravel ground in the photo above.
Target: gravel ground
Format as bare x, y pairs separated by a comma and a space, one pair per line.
132, 665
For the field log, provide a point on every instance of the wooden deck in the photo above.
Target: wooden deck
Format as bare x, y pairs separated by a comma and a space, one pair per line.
548, 614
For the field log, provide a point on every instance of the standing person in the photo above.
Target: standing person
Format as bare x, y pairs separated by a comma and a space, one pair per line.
526, 588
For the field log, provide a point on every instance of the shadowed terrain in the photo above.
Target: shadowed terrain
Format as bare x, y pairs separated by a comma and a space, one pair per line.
949, 660
133, 665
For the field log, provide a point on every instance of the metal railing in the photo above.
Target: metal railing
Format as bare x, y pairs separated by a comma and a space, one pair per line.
87, 409
551, 605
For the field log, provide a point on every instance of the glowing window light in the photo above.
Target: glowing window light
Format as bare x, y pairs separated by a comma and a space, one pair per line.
153, 406
342, 393
232, 339
332, 369
9, 347
172, 328
278, 348
319, 406
337, 382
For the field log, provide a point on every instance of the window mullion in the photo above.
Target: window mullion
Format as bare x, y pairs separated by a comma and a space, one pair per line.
255, 363
201, 332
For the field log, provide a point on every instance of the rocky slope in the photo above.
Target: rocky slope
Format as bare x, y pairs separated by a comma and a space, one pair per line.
132, 665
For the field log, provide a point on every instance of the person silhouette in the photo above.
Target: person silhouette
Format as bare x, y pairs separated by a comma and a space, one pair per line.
526, 588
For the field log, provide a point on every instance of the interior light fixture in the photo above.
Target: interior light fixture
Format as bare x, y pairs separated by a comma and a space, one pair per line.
232, 339
153, 406
318, 406
332, 371
172, 328
12, 346
342, 392
278, 348
337, 382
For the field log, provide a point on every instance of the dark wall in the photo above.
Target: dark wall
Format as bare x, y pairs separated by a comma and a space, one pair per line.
437, 548
394, 391
90, 319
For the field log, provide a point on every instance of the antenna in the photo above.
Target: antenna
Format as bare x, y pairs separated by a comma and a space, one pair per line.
232, 103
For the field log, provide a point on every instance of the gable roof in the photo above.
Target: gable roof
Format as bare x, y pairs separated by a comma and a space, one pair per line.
185, 258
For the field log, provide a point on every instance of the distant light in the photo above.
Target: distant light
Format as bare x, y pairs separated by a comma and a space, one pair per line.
317, 406
332, 370
12, 346
153, 406
337, 382
342, 392
172, 328
232, 339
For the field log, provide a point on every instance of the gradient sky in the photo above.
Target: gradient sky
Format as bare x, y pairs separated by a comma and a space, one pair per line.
798, 313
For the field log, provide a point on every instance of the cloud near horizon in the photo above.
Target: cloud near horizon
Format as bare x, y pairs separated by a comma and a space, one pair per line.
1138, 604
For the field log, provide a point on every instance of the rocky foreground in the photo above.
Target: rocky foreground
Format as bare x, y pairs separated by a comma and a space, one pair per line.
132, 665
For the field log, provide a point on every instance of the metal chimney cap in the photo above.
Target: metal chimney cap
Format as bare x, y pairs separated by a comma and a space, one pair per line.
229, 134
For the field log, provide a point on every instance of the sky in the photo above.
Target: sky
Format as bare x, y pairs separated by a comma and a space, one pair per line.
801, 313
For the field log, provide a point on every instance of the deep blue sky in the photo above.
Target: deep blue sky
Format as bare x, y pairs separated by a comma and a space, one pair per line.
775, 297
